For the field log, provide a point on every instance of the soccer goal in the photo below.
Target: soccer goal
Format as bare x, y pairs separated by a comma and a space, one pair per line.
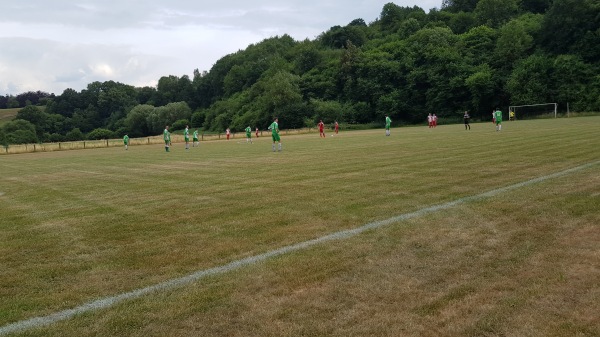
533, 110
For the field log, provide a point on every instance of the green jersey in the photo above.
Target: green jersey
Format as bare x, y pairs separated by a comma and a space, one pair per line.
498, 115
126, 139
186, 134
166, 135
274, 127
388, 122
248, 132
196, 135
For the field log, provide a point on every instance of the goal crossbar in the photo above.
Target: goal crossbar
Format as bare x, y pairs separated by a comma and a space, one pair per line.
512, 107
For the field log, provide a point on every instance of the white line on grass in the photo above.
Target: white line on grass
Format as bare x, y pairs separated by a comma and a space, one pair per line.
106, 302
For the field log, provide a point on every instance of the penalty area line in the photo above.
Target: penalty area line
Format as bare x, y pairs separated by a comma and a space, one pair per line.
106, 302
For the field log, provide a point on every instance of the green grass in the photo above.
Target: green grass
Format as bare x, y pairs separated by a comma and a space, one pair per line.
84, 224
7, 115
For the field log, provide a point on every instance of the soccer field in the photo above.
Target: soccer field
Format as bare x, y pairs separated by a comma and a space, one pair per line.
78, 228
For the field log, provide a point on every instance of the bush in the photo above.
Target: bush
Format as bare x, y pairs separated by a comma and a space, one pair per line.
3, 141
22, 137
74, 135
100, 134
180, 124
198, 119
19, 131
54, 137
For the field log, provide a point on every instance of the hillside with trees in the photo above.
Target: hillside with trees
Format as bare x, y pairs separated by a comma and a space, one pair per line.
469, 55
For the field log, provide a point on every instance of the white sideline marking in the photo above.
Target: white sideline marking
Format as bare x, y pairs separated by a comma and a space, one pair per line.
106, 302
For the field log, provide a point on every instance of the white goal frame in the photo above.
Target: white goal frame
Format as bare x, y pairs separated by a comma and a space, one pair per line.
512, 107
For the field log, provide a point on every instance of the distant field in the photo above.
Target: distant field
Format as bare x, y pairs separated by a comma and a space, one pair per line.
7, 115
83, 225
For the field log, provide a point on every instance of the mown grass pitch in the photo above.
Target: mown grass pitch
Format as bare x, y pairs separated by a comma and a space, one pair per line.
77, 226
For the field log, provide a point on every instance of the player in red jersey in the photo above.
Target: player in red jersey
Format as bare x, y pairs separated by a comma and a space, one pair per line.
337, 127
321, 129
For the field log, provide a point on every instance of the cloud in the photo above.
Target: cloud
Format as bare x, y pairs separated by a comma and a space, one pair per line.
54, 45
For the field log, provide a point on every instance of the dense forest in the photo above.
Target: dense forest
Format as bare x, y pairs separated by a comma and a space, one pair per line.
469, 55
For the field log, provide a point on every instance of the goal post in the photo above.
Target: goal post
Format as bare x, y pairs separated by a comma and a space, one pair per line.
532, 110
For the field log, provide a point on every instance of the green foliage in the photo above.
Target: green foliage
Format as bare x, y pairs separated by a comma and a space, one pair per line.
198, 118
35, 116
481, 84
3, 140
478, 45
528, 82
494, 13
514, 43
459, 5
137, 120
328, 111
567, 22
180, 124
535, 6
101, 134
74, 135
159, 117
19, 131
54, 137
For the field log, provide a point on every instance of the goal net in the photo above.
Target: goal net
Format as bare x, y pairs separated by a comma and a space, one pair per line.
542, 110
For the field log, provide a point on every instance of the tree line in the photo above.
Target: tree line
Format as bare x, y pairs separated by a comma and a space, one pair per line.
470, 55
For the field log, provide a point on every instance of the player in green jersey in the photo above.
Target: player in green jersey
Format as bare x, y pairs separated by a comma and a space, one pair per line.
167, 138
248, 134
498, 118
195, 138
388, 123
274, 127
186, 137
126, 141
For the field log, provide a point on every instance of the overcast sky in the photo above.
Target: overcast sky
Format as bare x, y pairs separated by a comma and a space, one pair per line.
54, 45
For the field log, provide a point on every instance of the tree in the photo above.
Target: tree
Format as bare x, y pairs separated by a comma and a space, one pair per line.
478, 45
459, 5
567, 22
137, 120
12, 103
101, 133
307, 57
279, 95
74, 135
167, 115
514, 43
328, 111
36, 116
3, 140
19, 131
531, 81
66, 103
481, 84
494, 13
461, 22
572, 78
535, 6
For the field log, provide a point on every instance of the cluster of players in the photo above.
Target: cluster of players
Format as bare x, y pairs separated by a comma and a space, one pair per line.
274, 127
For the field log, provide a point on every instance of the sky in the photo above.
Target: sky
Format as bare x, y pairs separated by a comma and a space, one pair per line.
54, 45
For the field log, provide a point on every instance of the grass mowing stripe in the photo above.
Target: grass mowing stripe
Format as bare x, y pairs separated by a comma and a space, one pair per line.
196, 276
